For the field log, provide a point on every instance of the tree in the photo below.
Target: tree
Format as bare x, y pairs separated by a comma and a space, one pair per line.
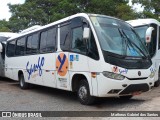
42, 12
151, 8
121, 12
4, 26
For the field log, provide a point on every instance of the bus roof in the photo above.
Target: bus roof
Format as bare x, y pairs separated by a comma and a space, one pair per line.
140, 22
7, 34
61, 20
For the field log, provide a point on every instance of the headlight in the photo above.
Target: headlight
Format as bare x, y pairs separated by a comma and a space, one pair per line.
152, 74
113, 75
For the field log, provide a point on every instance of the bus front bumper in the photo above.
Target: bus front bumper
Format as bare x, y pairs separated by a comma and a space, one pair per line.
108, 87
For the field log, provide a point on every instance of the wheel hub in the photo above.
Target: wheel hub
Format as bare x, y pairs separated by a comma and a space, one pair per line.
21, 82
82, 92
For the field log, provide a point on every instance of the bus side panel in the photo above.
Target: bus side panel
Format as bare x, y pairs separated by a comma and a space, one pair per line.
49, 70
9, 67
95, 68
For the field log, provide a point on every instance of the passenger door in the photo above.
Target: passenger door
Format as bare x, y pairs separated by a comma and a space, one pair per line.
48, 47
10, 53
78, 56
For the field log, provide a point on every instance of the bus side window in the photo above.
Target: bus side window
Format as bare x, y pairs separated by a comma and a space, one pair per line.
51, 39
65, 36
92, 50
20, 46
32, 43
11, 48
78, 44
48, 40
43, 41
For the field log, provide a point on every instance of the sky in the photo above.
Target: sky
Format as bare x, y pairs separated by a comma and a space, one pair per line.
136, 7
4, 10
5, 14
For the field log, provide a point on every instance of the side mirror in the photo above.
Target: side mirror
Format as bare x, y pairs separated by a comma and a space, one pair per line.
149, 34
86, 33
1, 48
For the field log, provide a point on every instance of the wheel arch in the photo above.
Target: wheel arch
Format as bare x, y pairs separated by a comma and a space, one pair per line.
20, 72
76, 78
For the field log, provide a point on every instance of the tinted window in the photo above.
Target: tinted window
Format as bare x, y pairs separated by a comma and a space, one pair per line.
20, 46
11, 48
78, 44
48, 40
65, 37
32, 43
43, 41
152, 45
76, 22
92, 50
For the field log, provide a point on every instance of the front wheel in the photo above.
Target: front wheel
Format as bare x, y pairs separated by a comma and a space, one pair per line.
22, 83
157, 83
84, 94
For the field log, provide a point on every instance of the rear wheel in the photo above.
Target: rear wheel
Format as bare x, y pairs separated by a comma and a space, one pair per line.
22, 83
84, 94
127, 97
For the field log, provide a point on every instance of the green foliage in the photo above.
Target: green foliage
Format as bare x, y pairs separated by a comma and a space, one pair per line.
125, 12
151, 8
42, 12
4, 26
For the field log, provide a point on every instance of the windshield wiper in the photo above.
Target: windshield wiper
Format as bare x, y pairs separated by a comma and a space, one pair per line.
125, 41
132, 43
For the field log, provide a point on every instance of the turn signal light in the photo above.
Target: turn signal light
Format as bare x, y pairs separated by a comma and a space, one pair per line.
93, 74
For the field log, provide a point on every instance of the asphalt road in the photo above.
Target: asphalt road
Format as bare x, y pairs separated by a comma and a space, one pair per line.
39, 98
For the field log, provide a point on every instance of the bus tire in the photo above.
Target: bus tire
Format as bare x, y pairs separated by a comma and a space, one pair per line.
84, 94
127, 97
22, 83
157, 83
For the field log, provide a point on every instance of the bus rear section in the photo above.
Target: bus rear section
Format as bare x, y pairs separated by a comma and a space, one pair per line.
3, 39
93, 55
142, 26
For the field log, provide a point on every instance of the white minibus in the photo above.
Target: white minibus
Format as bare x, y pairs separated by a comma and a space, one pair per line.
142, 26
3, 38
93, 55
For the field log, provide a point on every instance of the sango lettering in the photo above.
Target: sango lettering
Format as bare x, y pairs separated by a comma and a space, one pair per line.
123, 71
35, 67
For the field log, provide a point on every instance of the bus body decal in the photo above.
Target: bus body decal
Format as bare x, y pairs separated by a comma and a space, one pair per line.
35, 67
62, 64
61, 61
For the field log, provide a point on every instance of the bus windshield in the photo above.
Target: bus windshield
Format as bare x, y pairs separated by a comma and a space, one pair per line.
141, 30
118, 37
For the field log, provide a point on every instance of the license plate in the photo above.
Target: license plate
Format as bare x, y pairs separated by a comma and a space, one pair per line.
136, 93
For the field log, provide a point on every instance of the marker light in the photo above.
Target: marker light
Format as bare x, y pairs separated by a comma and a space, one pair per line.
113, 75
93, 74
